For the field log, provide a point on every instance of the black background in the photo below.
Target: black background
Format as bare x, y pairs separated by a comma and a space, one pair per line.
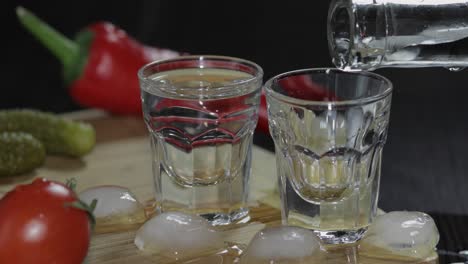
425, 162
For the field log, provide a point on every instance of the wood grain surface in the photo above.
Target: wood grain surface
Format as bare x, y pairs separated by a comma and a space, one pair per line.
122, 157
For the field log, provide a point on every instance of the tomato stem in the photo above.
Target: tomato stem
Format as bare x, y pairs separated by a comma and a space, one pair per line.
71, 183
92, 206
80, 205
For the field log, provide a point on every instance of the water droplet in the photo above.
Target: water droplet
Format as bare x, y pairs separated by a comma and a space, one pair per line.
456, 69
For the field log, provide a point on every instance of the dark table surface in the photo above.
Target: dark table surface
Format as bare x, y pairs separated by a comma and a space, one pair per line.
425, 165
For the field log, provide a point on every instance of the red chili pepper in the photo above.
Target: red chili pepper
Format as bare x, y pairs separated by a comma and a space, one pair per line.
108, 80
100, 66
262, 124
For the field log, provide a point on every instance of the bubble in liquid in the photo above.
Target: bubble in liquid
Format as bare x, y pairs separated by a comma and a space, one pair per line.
406, 54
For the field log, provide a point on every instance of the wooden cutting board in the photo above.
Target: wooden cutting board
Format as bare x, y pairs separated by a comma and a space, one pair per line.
122, 157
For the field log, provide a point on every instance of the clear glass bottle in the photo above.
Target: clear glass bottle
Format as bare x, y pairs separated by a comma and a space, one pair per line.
371, 34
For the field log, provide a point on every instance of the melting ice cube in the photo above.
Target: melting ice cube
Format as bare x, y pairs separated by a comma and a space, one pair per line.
278, 244
412, 234
111, 200
178, 235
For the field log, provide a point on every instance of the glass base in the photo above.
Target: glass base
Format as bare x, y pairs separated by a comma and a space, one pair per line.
340, 237
226, 219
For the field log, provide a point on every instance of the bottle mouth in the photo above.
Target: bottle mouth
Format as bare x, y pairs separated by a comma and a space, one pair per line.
340, 32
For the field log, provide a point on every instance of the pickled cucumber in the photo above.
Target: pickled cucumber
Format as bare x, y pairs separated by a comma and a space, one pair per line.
59, 135
19, 153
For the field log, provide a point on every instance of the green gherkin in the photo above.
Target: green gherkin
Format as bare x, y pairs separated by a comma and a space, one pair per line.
19, 153
59, 135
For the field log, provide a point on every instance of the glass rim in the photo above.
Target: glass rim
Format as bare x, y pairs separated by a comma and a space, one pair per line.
308, 71
256, 76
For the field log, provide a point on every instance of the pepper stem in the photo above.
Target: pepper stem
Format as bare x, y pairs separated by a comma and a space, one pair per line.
62, 47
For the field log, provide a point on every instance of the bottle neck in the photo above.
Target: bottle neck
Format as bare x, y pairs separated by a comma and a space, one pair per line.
357, 32
371, 34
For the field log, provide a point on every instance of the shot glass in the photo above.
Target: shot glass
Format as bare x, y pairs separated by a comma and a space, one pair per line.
329, 129
201, 112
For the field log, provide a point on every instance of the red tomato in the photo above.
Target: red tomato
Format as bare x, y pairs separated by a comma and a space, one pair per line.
38, 225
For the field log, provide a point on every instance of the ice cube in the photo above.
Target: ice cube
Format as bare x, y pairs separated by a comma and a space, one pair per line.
412, 234
111, 200
280, 244
178, 235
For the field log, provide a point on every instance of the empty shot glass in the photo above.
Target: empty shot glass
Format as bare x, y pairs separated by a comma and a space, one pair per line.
201, 112
329, 129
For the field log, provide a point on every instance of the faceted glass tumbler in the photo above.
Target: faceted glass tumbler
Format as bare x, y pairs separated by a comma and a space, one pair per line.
329, 129
201, 112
